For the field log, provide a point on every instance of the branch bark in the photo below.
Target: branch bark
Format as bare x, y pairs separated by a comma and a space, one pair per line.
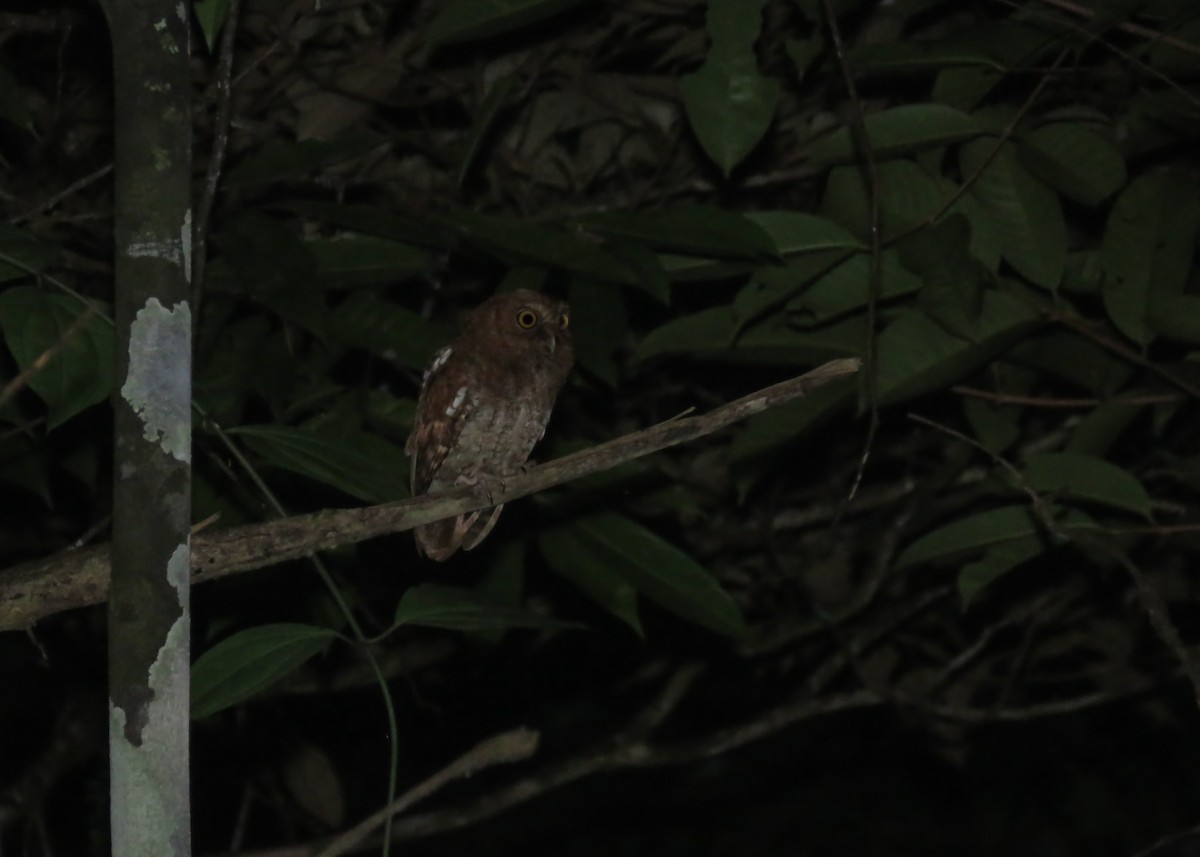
41, 588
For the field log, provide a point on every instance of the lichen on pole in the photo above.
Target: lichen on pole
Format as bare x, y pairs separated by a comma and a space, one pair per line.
148, 619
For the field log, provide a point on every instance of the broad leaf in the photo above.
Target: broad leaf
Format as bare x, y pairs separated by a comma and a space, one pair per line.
211, 14
1074, 160
29, 254
77, 351
996, 562
481, 125
1148, 247
917, 355
715, 334
1071, 476
282, 161
13, 106
568, 554
519, 243
387, 330
251, 661
358, 260
900, 130
729, 104
984, 531
464, 20
376, 476
658, 570
1027, 216
702, 230
797, 232
453, 608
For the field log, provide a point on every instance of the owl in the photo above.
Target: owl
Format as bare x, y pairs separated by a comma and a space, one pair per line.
484, 404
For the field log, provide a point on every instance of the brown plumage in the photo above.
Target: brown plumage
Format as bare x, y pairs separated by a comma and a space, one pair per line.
484, 404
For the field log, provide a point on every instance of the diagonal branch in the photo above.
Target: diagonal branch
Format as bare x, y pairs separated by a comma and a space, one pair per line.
47, 586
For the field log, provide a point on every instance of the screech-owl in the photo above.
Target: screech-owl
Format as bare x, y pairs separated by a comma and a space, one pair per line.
484, 404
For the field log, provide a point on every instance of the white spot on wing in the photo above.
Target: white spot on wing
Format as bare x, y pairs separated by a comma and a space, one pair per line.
439, 360
459, 398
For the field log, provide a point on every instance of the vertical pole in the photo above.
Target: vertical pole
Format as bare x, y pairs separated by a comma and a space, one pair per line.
148, 617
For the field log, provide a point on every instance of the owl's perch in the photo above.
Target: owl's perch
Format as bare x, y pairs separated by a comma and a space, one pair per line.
43, 587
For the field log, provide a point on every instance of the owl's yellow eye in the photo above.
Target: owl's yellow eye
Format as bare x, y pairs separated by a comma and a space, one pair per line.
527, 318
565, 321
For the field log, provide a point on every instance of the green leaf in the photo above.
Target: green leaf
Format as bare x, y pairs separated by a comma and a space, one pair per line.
357, 260
1074, 160
12, 101
251, 661
701, 230
568, 554
344, 464
1027, 216
771, 286
713, 334
26, 465
908, 194
607, 325
1073, 476
274, 267
387, 330
985, 531
282, 161
917, 355
431, 605
844, 287
1177, 318
900, 130
953, 291
797, 232
373, 220
1148, 247
80, 371
658, 570
519, 243
1100, 428
481, 124
911, 57
729, 104
30, 254
465, 20
970, 534
996, 427
647, 269
761, 436
211, 16
998, 561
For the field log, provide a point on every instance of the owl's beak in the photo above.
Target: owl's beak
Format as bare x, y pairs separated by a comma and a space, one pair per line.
551, 341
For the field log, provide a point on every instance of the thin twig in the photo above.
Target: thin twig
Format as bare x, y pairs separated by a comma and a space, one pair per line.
1061, 402
66, 192
1147, 33
1153, 602
216, 159
870, 169
504, 749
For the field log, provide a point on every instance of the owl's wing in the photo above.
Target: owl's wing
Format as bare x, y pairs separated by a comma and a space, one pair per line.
443, 408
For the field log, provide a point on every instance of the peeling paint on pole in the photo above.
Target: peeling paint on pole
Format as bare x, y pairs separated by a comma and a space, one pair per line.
142, 772
158, 385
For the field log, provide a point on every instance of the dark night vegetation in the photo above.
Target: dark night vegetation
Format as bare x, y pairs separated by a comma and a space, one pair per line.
944, 606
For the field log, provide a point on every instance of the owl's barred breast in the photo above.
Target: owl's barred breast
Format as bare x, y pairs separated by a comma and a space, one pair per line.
495, 440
